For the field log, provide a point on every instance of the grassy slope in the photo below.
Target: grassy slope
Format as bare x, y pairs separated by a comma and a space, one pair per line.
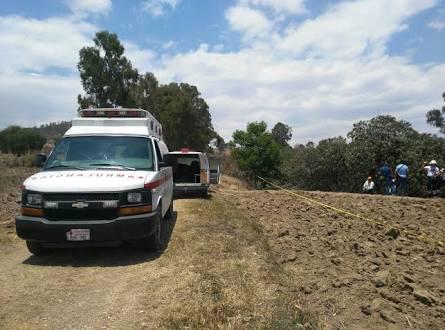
237, 282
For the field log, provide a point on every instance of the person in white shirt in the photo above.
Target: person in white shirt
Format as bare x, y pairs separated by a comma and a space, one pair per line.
368, 186
433, 177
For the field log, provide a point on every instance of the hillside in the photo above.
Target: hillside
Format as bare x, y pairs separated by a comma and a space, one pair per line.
53, 131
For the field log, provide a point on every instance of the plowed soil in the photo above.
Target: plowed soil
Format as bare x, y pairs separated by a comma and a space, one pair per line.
353, 273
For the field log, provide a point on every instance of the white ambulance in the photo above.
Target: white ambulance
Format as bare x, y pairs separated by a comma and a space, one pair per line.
105, 182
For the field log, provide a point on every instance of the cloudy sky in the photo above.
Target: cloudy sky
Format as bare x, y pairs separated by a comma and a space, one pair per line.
317, 65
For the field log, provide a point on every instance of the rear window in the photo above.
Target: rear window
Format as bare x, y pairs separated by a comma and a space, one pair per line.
182, 159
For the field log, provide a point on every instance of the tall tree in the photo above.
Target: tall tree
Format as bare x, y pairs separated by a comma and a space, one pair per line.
256, 151
184, 115
107, 75
110, 80
436, 117
219, 142
282, 133
143, 92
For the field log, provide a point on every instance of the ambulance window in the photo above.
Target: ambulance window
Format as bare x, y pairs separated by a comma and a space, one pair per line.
151, 125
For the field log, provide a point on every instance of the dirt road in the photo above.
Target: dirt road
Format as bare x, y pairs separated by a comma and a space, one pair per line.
217, 271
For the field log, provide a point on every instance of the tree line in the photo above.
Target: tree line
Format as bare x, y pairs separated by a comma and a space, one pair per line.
110, 80
18, 140
338, 163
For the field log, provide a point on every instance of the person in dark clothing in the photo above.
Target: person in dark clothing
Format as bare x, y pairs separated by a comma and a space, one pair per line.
386, 173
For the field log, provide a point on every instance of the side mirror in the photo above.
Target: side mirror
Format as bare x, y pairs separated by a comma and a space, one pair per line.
40, 160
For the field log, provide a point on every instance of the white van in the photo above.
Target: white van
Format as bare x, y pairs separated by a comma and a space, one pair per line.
191, 171
104, 182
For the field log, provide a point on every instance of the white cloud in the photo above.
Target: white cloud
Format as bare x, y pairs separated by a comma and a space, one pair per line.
249, 21
29, 100
351, 28
317, 97
140, 58
168, 45
319, 76
437, 25
159, 7
39, 81
82, 7
37, 45
280, 6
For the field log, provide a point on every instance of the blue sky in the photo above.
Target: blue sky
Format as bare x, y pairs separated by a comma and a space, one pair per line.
318, 66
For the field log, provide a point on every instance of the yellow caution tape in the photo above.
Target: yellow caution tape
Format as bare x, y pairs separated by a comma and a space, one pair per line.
420, 237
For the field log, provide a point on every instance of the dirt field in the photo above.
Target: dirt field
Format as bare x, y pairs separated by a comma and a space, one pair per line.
352, 273
240, 259
217, 272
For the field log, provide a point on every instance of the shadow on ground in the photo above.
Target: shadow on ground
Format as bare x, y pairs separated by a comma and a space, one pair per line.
191, 195
123, 255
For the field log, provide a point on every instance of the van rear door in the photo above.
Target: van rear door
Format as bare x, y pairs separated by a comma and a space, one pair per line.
186, 167
215, 169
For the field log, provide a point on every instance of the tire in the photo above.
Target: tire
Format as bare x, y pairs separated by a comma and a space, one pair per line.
169, 213
154, 242
37, 248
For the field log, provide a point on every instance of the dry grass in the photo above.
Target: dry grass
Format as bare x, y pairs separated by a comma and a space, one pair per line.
10, 180
12, 177
237, 282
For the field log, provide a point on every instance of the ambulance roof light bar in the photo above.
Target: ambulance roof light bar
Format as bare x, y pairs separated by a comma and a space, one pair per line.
113, 112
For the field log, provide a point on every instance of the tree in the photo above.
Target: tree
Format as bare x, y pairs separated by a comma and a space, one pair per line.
337, 164
220, 143
107, 75
143, 92
383, 139
256, 151
282, 133
110, 80
18, 140
436, 117
184, 116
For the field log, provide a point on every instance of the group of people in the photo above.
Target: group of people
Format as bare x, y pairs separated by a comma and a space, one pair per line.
396, 183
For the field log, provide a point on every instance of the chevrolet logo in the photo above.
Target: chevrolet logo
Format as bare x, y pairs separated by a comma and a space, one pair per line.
79, 205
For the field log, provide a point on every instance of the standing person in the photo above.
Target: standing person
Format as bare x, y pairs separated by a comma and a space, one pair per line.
368, 186
386, 173
442, 178
433, 177
402, 172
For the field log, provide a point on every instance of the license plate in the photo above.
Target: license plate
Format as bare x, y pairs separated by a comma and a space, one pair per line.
78, 235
